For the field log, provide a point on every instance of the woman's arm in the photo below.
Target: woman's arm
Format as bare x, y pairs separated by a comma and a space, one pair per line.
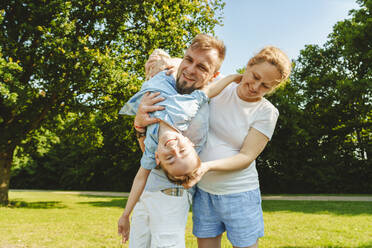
134, 195
254, 143
214, 88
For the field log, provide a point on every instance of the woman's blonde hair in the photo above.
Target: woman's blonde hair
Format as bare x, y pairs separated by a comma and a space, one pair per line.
276, 57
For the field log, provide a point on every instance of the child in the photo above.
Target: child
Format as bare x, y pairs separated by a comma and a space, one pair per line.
164, 143
175, 118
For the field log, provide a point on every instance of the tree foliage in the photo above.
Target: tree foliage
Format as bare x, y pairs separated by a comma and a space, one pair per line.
323, 139
81, 56
322, 142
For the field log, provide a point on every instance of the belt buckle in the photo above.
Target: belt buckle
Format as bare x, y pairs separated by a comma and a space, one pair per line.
173, 191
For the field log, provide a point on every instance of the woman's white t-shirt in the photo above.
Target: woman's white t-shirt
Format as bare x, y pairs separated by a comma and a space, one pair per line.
229, 123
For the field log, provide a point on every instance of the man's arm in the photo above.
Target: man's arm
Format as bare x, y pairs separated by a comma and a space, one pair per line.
135, 193
254, 143
143, 119
214, 88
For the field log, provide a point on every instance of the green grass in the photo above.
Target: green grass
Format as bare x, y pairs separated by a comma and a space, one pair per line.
318, 195
50, 219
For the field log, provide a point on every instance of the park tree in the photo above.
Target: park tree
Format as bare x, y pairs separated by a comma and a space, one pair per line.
60, 57
325, 122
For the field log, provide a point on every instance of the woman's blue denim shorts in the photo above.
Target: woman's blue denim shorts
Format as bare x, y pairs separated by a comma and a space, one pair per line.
240, 215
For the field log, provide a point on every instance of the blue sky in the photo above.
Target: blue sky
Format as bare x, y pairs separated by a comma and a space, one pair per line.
249, 25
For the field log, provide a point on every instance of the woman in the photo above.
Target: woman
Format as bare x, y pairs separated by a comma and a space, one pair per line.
241, 123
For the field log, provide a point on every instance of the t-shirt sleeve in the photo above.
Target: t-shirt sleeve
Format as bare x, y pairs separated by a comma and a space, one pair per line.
266, 120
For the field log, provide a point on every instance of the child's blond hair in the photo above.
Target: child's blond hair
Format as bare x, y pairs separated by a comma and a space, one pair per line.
157, 65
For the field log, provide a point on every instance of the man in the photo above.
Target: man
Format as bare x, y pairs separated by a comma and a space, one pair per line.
160, 216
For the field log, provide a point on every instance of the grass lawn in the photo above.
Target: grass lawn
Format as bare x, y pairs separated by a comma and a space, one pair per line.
49, 219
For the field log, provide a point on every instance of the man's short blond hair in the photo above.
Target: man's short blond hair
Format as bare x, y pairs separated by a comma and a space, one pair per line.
207, 42
276, 57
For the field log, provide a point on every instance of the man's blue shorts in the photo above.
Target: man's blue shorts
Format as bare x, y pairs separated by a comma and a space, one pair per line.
240, 215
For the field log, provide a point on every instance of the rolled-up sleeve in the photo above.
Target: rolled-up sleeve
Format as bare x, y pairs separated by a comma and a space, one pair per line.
148, 160
151, 143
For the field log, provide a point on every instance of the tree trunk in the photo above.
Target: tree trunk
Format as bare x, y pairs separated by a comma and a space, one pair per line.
6, 159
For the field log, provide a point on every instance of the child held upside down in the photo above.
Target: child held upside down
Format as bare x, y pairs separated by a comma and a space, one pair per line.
165, 146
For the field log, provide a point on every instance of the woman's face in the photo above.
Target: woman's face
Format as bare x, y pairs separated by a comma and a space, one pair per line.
257, 81
176, 154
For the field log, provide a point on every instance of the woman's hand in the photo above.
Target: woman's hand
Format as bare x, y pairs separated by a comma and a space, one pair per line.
204, 168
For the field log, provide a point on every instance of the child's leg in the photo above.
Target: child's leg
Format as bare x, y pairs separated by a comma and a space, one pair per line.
140, 235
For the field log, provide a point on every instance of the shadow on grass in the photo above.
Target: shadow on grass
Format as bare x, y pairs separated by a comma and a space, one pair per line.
36, 205
367, 245
120, 202
311, 207
101, 196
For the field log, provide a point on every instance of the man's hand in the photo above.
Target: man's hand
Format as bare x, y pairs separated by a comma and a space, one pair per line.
124, 228
147, 106
204, 168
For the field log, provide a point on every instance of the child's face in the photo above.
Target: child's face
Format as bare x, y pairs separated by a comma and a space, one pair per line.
257, 81
176, 154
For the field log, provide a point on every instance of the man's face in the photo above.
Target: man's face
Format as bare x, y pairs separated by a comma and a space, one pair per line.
196, 70
176, 154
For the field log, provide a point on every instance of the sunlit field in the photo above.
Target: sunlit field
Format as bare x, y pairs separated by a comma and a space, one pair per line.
55, 219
